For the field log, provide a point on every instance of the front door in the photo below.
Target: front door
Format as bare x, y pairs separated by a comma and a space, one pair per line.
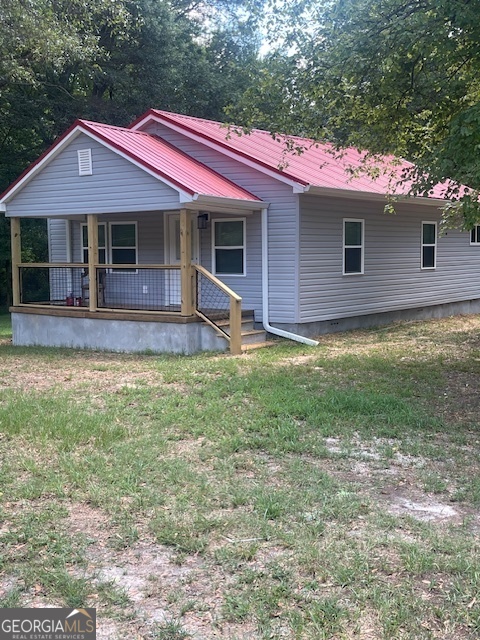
173, 293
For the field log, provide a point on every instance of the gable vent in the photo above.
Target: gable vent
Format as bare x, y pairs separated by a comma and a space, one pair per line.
84, 162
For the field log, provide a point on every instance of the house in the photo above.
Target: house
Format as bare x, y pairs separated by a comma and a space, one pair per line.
181, 234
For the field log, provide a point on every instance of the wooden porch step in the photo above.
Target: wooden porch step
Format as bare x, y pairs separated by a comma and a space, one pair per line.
248, 324
253, 336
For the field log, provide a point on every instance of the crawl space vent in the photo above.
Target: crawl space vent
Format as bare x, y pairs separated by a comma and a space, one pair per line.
84, 162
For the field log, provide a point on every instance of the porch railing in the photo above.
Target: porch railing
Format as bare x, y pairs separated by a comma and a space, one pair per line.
127, 287
120, 286
219, 306
47, 284
139, 287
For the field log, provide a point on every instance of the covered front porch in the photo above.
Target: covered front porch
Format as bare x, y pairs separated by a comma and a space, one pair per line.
138, 229
95, 300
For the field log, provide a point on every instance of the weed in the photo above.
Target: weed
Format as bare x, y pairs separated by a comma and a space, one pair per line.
170, 630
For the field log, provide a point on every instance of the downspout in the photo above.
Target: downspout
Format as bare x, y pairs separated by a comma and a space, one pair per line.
266, 325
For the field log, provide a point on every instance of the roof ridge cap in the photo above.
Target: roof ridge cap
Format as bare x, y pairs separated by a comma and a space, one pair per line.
232, 125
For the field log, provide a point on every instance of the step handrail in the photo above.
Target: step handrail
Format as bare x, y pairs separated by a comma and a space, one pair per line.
221, 285
235, 311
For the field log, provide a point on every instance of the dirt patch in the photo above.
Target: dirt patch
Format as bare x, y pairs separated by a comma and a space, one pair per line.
160, 589
295, 361
423, 509
69, 376
86, 520
459, 400
368, 627
157, 586
393, 482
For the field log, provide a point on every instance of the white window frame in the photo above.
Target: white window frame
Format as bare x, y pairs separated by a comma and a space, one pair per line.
351, 246
108, 244
84, 248
434, 245
111, 248
243, 247
475, 233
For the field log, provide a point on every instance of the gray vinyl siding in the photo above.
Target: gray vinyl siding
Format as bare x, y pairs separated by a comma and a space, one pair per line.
150, 236
58, 233
283, 230
393, 278
248, 286
57, 240
116, 185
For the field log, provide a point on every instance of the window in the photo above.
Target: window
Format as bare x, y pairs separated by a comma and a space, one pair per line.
229, 247
102, 247
429, 245
353, 241
123, 244
475, 235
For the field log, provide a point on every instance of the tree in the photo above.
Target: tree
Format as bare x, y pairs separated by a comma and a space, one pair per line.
388, 76
110, 60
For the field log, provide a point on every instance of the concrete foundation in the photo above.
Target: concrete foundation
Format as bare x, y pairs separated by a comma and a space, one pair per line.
160, 336
30, 329
313, 329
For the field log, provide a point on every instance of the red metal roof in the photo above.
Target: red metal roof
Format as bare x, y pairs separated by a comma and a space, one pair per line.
318, 164
160, 157
168, 162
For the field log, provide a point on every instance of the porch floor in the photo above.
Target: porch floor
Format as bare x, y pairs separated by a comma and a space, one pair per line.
145, 314
104, 314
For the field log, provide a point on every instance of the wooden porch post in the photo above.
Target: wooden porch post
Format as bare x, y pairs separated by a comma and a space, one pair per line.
186, 262
16, 259
92, 230
235, 326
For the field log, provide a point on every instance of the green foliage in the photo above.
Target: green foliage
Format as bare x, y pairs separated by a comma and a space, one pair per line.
388, 76
34, 249
110, 60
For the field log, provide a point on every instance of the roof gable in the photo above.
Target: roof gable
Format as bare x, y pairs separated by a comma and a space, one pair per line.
115, 185
189, 177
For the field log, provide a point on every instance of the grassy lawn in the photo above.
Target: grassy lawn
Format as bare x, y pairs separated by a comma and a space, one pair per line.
288, 493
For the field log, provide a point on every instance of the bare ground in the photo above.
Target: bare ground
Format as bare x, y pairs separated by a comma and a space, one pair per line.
157, 586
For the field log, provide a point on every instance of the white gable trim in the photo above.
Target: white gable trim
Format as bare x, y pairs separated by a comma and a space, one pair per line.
53, 153
298, 187
56, 150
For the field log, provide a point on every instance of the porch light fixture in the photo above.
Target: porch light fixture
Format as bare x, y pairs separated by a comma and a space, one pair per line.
202, 220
